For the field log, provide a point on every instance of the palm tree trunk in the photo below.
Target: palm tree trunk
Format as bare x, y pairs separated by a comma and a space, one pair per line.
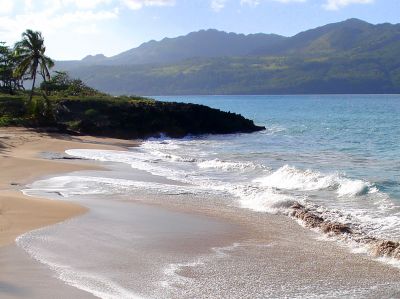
33, 87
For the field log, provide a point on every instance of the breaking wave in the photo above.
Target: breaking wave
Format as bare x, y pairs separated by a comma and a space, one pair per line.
291, 178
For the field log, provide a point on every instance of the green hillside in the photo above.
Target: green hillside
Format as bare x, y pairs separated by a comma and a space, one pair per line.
347, 57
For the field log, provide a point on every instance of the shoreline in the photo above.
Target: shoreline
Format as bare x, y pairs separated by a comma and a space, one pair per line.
288, 250
19, 155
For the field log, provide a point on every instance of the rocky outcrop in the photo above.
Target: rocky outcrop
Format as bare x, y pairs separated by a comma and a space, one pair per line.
379, 247
387, 249
144, 118
312, 220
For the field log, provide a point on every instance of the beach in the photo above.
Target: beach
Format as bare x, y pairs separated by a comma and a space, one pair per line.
20, 163
119, 222
27, 155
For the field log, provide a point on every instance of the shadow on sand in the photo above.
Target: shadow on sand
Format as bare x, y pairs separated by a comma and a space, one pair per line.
7, 289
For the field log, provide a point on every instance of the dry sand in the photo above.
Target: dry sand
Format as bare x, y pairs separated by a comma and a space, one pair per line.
20, 163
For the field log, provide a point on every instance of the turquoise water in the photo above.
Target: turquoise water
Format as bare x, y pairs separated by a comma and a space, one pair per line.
355, 134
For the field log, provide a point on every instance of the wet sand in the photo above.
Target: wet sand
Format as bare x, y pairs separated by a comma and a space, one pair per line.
20, 163
23, 277
276, 257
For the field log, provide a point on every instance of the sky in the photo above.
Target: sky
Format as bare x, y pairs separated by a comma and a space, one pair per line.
75, 28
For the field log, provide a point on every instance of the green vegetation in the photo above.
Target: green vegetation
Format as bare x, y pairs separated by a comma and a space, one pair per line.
9, 81
62, 84
371, 73
31, 58
71, 106
121, 117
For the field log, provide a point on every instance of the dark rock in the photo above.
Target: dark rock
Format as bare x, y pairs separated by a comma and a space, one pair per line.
131, 119
387, 248
336, 228
312, 220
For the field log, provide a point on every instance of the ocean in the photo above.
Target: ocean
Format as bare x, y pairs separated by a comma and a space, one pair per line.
337, 156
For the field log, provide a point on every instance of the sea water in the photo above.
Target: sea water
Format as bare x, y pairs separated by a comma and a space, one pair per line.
338, 155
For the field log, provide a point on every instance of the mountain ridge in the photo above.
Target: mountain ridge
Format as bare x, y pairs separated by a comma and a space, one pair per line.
360, 57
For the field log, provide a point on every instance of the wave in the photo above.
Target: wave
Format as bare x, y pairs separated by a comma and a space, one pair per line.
228, 165
375, 217
68, 186
138, 160
291, 178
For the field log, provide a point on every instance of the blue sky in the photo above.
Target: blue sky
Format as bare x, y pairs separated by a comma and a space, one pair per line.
75, 28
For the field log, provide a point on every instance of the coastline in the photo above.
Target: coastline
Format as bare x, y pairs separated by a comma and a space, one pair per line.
290, 253
19, 156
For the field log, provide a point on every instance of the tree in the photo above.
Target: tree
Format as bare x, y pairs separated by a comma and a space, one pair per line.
31, 58
8, 81
62, 84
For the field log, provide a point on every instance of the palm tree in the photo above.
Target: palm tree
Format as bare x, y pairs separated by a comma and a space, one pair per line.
30, 53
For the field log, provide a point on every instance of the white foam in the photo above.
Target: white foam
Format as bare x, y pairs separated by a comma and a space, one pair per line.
261, 199
349, 187
108, 155
227, 165
145, 161
68, 186
172, 271
291, 178
373, 212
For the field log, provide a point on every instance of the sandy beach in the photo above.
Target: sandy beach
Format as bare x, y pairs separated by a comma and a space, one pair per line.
20, 163
213, 249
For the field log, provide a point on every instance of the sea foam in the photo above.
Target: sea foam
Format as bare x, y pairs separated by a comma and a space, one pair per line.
291, 178
228, 165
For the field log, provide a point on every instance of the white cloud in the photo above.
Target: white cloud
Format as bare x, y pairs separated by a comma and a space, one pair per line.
337, 4
289, 1
86, 4
254, 3
51, 16
6, 6
250, 2
51, 20
138, 4
217, 5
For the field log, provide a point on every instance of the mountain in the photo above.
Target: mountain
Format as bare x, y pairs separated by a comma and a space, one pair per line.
201, 44
352, 34
204, 43
352, 56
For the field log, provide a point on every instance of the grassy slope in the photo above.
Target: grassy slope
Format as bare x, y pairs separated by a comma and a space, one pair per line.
346, 73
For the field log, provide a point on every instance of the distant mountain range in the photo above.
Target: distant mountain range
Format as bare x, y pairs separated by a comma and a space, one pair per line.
352, 56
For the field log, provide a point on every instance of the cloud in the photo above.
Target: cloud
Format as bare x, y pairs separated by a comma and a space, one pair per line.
289, 1
337, 4
138, 4
254, 3
86, 4
217, 5
6, 6
51, 16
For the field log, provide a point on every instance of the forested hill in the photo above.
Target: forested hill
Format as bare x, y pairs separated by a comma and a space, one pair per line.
352, 56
